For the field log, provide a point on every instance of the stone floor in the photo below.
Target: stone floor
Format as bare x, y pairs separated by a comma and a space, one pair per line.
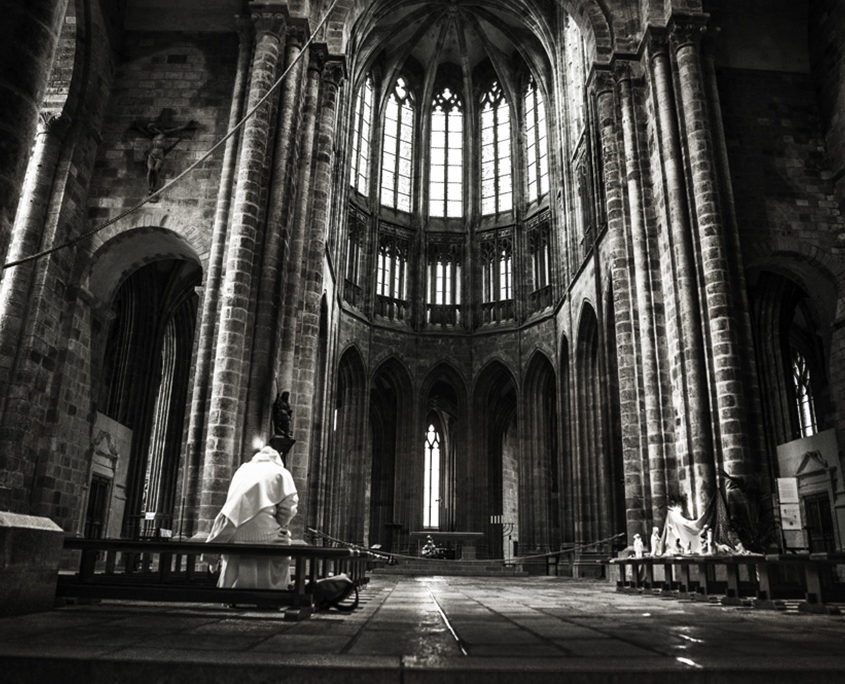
431, 629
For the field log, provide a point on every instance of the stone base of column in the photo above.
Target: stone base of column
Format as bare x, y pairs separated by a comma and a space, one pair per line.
30, 552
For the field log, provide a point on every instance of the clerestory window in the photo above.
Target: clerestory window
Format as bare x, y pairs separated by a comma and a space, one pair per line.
536, 148
496, 175
362, 124
398, 149
445, 189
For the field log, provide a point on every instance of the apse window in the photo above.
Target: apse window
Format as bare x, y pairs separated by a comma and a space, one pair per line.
803, 394
391, 271
431, 493
397, 149
362, 122
445, 189
536, 149
496, 176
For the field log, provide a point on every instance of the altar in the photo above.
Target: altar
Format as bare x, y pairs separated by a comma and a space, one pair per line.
462, 543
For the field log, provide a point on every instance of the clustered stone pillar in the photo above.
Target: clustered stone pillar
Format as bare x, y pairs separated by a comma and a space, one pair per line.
620, 268
269, 323
307, 338
28, 32
210, 297
644, 306
222, 441
695, 448
718, 300
293, 287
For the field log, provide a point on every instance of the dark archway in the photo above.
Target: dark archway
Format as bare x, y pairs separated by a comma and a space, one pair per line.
496, 492
391, 442
145, 379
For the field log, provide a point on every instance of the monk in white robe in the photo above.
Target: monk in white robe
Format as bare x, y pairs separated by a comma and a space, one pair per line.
261, 502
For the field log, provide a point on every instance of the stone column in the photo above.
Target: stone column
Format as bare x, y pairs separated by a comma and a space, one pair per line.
28, 32
299, 229
694, 444
719, 308
16, 284
620, 267
222, 450
644, 305
263, 384
210, 297
307, 339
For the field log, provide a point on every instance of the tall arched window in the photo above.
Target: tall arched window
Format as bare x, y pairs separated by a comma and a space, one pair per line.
360, 167
496, 178
398, 149
431, 485
445, 194
536, 148
802, 381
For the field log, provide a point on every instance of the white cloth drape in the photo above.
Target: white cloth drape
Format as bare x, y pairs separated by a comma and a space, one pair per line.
260, 504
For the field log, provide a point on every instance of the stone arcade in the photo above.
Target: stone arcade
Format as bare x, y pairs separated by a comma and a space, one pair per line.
530, 270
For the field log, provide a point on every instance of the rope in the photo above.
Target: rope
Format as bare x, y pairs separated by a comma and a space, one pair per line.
169, 184
487, 561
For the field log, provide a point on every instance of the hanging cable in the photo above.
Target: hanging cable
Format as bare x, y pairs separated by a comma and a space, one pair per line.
185, 172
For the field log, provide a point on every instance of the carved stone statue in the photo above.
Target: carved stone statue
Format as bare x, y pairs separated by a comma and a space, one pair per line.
282, 415
159, 132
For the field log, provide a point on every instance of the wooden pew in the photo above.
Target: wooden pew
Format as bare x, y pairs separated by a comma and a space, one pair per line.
162, 570
824, 586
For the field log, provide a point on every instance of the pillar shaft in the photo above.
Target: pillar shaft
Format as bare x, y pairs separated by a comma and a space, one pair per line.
625, 342
29, 32
263, 384
645, 309
210, 299
306, 389
695, 448
718, 300
223, 441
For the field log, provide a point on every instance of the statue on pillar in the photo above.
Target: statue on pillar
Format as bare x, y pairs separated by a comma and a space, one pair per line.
282, 439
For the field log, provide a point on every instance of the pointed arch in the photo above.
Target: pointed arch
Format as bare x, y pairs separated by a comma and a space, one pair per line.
539, 465
392, 442
495, 488
343, 499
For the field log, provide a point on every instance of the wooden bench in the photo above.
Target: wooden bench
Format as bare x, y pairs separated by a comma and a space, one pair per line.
153, 570
824, 585
771, 579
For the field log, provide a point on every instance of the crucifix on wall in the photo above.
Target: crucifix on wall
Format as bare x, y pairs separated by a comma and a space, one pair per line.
164, 135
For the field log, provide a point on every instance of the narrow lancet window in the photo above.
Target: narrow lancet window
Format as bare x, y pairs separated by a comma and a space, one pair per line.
536, 149
803, 394
431, 493
398, 149
445, 189
496, 176
362, 123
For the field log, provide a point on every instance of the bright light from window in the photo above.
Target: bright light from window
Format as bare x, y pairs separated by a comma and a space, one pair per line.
360, 171
398, 149
431, 492
536, 151
445, 188
496, 180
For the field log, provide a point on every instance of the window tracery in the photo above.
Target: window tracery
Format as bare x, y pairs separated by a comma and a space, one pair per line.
536, 147
496, 174
362, 125
398, 149
447, 153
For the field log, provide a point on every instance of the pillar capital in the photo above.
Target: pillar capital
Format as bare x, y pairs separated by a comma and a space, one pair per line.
601, 81
297, 32
317, 56
54, 123
268, 19
334, 70
687, 31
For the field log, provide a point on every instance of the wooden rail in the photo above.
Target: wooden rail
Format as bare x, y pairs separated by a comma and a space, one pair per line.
156, 570
768, 579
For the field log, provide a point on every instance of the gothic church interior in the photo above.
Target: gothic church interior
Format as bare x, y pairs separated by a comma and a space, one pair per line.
536, 270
